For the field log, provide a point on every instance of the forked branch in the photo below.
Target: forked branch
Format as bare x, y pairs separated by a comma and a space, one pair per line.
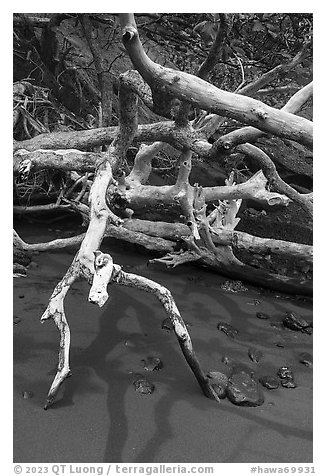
106, 272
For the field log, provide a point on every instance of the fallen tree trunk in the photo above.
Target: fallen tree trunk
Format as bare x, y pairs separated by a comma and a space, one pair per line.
238, 240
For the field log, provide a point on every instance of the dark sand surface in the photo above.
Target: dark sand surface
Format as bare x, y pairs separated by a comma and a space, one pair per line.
99, 417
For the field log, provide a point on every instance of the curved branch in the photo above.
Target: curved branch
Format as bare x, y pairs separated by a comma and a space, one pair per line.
105, 272
143, 163
274, 180
187, 87
251, 134
83, 263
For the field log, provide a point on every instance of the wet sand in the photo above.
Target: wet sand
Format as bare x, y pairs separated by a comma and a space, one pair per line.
99, 417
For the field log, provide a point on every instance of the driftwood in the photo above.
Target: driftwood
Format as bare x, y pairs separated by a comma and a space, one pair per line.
107, 202
133, 192
105, 272
83, 263
208, 97
99, 273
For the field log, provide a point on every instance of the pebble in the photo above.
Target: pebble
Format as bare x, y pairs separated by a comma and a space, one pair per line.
287, 377
142, 385
279, 344
288, 383
152, 364
229, 330
262, 315
270, 382
293, 321
285, 372
27, 394
255, 355
243, 390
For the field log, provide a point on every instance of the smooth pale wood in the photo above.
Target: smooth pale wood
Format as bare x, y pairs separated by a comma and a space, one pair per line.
255, 188
106, 272
251, 134
99, 214
275, 181
128, 233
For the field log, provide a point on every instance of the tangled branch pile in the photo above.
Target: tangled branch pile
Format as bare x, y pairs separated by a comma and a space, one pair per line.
103, 181
58, 149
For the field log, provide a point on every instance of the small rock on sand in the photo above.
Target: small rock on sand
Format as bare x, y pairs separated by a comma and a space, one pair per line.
229, 330
142, 385
152, 363
243, 390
